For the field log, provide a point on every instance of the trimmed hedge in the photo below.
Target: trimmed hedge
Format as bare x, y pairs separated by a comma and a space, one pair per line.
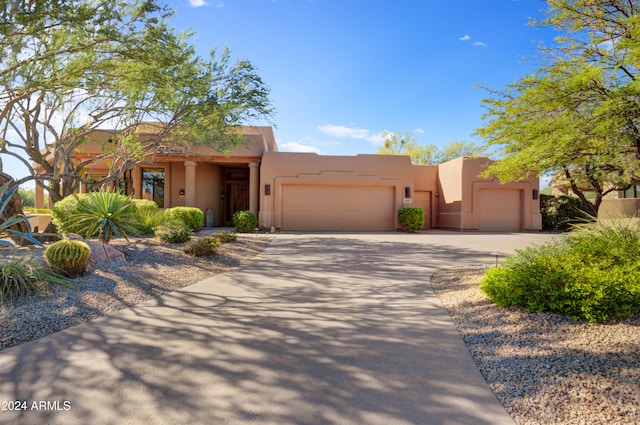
191, 216
411, 219
561, 212
245, 221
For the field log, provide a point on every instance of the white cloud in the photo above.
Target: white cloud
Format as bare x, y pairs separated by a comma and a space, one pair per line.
197, 3
297, 147
419, 131
351, 133
475, 43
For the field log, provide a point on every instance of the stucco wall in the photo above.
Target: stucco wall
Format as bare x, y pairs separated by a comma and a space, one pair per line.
463, 193
288, 168
613, 208
450, 191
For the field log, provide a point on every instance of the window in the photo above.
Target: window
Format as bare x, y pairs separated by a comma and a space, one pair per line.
632, 192
153, 185
92, 179
125, 183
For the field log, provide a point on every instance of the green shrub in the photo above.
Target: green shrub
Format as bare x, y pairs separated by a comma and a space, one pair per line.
19, 277
62, 212
191, 216
560, 212
245, 221
173, 232
411, 219
227, 236
203, 247
145, 206
148, 220
594, 274
68, 257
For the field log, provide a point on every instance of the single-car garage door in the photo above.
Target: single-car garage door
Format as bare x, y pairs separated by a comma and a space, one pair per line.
500, 210
319, 207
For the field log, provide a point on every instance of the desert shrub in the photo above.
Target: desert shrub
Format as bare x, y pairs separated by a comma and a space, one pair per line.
20, 277
173, 232
191, 216
411, 219
105, 214
145, 206
148, 217
593, 275
203, 247
62, 212
68, 257
227, 236
560, 212
244, 221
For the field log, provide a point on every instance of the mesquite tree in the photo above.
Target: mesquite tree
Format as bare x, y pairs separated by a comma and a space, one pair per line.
578, 116
68, 67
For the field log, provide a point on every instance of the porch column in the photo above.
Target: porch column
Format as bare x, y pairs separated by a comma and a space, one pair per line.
137, 182
39, 197
254, 187
190, 184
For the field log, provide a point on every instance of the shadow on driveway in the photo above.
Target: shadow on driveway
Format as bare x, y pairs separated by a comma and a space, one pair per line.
319, 329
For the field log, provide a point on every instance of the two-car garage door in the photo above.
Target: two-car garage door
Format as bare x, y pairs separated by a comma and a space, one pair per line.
326, 207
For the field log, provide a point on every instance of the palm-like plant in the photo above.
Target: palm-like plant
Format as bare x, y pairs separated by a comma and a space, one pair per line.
7, 224
106, 214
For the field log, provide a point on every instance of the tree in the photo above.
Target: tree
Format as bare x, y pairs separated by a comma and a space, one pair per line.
577, 116
404, 143
68, 67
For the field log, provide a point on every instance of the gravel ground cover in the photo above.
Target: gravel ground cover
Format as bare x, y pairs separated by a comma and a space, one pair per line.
545, 368
153, 268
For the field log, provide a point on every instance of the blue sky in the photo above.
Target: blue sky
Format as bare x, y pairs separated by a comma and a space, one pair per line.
342, 71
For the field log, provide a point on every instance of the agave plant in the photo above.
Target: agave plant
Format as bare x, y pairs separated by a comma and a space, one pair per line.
105, 214
6, 225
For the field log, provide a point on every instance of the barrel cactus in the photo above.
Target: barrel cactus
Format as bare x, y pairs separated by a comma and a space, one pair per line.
69, 257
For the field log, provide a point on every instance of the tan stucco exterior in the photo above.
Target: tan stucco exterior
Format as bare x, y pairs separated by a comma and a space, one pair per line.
306, 191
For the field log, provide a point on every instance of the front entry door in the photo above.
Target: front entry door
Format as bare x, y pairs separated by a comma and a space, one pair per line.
237, 200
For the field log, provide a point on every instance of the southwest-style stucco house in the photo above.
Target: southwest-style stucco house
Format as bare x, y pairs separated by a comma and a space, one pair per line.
306, 191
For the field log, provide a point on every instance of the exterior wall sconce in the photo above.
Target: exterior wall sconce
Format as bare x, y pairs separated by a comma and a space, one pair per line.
181, 192
535, 193
267, 189
407, 192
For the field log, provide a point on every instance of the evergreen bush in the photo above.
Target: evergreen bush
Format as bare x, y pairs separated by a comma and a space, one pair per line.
593, 275
245, 221
203, 247
191, 216
227, 236
173, 232
560, 212
411, 219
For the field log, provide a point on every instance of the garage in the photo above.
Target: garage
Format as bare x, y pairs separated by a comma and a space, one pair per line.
325, 207
500, 210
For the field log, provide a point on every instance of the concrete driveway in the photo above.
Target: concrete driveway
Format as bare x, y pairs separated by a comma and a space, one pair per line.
319, 329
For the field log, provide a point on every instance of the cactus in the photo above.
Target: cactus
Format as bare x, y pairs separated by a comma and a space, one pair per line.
68, 256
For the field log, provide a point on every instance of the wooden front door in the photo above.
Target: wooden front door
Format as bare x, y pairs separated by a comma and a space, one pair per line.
237, 200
